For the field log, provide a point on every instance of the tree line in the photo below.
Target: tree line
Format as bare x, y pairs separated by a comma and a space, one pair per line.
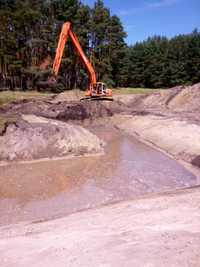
160, 62
29, 31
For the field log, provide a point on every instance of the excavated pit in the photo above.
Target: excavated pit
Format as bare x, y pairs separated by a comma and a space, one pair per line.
49, 189
64, 110
44, 190
148, 228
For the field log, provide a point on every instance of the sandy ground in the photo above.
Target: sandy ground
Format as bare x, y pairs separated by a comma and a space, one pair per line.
178, 138
167, 118
156, 230
34, 137
49, 189
174, 112
159, 230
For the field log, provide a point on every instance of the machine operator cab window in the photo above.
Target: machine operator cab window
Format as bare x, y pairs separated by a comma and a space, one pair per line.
99, 89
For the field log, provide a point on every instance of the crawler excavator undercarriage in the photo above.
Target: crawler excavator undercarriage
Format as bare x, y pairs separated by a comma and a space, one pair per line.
96, 90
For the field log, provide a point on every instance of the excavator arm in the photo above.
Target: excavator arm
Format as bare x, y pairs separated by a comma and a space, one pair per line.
60, 47
95, 89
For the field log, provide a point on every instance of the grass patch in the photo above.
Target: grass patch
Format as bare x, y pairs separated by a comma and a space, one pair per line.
9, 96
134, 90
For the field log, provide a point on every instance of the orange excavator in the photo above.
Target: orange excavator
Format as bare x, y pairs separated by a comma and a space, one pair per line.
96, 90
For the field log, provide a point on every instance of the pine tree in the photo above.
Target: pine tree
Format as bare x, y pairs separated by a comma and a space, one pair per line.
29, 32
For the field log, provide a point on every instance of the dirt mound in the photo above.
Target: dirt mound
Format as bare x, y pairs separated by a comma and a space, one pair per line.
71, 95
84, 110
196, 161
175, 99
35, 138
64, 110
158, 100
188, 99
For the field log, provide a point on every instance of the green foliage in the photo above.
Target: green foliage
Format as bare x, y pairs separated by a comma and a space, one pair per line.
161, 62
29, 31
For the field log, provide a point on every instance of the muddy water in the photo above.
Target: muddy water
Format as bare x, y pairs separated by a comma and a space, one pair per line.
49, 189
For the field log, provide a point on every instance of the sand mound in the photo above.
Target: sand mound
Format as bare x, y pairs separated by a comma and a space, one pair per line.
177, 99
64, 110
71, 95
35, 138
188, 99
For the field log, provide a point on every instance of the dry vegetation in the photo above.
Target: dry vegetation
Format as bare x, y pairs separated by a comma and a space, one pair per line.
129, 90
9, 96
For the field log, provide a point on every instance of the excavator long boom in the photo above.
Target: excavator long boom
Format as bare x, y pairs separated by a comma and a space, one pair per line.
65, 33
95, 89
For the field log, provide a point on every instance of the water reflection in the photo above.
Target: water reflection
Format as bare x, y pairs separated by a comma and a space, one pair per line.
45, 190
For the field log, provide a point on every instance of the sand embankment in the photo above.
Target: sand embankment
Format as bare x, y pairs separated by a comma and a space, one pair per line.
34, 137
160, 230
167, 119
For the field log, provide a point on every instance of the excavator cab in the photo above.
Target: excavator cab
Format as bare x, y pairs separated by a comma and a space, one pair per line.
99, 90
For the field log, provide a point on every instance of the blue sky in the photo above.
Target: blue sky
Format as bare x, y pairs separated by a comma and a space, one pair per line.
154, 17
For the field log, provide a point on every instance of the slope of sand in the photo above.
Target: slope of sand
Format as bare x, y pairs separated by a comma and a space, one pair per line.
35, 137
160, 230
178, 138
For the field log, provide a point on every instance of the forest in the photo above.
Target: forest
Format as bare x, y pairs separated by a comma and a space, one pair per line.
29, 31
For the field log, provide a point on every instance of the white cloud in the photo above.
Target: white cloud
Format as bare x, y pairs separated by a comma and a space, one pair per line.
162, 3
149, 6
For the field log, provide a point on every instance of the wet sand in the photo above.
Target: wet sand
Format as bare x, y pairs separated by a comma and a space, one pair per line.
50, 189
158, 230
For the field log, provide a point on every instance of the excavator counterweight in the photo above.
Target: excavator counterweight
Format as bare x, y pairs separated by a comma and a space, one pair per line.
95, 90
